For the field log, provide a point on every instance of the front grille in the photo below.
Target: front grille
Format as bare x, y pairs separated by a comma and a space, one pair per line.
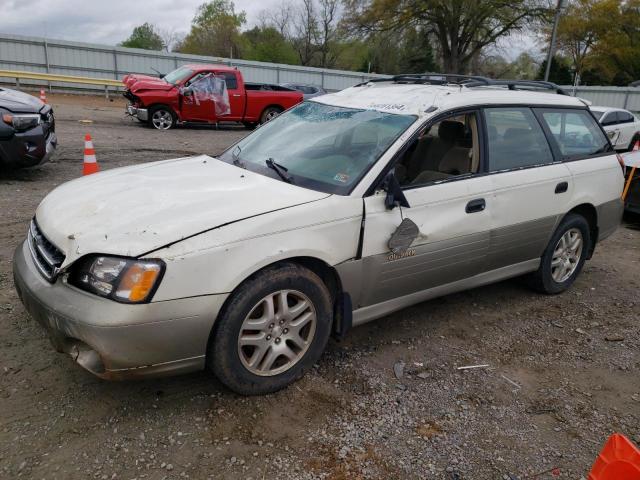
45, 254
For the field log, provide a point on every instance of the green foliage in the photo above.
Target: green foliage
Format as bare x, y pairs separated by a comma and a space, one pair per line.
560, 73
144, 36
266, 44
215, 31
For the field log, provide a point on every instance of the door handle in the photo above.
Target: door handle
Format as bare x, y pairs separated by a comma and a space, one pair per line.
477, 205
236, 94
562, 187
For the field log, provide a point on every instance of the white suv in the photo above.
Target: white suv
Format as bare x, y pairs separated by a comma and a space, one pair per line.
340, 211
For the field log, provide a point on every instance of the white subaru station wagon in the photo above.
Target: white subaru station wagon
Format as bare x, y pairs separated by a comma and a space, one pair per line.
340, 211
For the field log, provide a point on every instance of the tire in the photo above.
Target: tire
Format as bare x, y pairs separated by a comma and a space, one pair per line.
162, 117
552, 279
269, 114
635, 139
253, 352
250, 125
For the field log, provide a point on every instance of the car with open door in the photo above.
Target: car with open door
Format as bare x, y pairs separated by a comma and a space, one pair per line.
340, 211
204, 94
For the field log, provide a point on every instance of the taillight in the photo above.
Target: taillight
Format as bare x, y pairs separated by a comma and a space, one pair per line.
621, 162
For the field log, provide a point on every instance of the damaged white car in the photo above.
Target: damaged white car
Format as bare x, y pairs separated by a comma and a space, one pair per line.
340, 211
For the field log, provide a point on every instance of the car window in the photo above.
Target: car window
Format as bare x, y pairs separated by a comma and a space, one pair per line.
178, 75
625, 117
446, 149
230, 79
609, 119
575, 131
598, 114
515, 139
324, 147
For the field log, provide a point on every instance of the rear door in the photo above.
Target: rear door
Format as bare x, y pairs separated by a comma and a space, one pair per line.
237, 97
627, 126
611, 125
449, 198
531, 190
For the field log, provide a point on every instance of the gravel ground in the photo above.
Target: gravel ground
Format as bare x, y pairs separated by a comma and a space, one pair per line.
388, 402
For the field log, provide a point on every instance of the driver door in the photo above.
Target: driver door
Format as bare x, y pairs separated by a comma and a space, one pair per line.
449, 203
195, 106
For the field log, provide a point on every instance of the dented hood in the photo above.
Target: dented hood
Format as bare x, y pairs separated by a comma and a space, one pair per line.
134, 210
130, 79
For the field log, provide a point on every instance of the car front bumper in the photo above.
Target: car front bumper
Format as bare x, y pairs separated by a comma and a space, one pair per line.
28, 149
114, 340
141, 114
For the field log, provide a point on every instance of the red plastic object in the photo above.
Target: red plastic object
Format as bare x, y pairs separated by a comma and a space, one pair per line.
618, 460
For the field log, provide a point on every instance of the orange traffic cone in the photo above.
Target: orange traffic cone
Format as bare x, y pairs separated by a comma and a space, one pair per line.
43, 96
90, 164
618, 460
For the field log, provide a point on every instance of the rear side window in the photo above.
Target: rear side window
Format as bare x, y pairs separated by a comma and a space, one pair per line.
229, 79
625, 117
515, 139
576, 132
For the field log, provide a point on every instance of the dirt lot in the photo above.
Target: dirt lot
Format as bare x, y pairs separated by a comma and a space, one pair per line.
562, 376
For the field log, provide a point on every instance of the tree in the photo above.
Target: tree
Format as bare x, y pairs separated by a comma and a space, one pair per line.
618, 48
416, 53
305, 32
462, 27
560, 73
144, 36
215, 30
267, 44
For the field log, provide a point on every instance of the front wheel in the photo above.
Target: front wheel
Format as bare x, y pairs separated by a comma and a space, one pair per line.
564, 256
274, 328
162, 118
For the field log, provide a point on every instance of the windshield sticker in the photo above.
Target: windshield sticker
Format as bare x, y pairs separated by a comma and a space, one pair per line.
341, 177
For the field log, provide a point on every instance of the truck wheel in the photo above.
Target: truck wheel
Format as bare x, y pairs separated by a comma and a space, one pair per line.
162, 118
564, 256
274, 328
269, 114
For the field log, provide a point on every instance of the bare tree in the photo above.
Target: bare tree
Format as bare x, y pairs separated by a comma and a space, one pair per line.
328, 19
170, 38
305, 31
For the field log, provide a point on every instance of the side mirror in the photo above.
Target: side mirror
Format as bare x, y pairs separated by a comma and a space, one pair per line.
187, 92
395, 196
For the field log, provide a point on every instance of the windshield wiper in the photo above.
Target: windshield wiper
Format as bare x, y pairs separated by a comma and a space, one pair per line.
280, 170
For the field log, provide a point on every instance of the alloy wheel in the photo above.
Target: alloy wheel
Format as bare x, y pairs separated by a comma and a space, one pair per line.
162, 119
566, 255
277, 332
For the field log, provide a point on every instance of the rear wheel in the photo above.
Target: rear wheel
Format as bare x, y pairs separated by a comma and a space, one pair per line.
269, 114
564, 256
162, 118
275, 327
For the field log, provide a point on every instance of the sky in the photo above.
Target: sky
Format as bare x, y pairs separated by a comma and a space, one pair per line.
111, 21
108, 22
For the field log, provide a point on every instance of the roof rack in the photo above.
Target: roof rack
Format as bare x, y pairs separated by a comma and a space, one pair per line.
468, 81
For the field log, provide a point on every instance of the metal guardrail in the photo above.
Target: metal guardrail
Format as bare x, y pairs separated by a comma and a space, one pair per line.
52, 77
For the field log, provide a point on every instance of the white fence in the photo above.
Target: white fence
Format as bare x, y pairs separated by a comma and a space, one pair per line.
103, 61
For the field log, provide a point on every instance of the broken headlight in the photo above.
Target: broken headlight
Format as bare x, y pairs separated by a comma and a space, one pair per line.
121, 279
21, 122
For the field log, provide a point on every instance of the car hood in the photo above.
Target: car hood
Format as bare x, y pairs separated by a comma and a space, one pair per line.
19, 102
149, 84
129, 80
135, 210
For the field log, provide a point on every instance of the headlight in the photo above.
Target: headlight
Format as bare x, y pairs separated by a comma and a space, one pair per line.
21, 122
121, 279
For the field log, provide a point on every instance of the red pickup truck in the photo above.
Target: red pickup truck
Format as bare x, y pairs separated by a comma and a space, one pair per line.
204, 94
